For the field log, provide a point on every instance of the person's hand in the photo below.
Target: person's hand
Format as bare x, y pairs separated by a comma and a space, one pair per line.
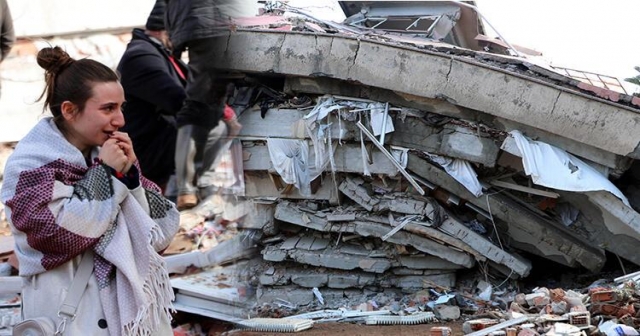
113, 156
124, 142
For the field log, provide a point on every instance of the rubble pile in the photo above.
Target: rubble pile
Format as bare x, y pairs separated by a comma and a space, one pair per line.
365, 221
390, 172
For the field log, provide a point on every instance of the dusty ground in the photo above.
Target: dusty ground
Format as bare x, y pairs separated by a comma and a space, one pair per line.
334, 329
352, 329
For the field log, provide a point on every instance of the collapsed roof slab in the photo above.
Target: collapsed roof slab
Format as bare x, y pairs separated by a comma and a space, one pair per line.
306, 277
259, 184
600, 226
286, 213
464, 81
531, 228
452, 141
287, 123
347, 159
319, 85
326, 85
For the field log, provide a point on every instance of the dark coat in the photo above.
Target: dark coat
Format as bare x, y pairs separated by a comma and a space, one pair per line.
188, 20
154, 92
7, 35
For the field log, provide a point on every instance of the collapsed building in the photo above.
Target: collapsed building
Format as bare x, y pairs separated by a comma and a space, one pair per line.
390, 152
396, 151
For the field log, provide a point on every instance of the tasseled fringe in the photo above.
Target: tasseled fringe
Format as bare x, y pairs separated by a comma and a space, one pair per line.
158, 294
156, 236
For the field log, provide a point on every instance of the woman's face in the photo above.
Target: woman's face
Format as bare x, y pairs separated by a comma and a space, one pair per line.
102, 115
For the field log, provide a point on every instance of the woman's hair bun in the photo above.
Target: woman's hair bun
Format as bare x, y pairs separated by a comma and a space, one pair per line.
54, 60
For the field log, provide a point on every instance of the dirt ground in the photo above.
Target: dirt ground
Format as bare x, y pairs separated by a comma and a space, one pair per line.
352, 329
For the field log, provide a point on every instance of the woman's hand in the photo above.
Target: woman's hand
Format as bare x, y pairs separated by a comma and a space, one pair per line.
117, 152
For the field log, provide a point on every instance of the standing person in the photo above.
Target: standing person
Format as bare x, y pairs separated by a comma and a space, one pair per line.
199, 27
154, 87
72, 189
7, 35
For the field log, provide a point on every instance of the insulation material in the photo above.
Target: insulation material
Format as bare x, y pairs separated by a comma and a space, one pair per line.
461, 171
290, 159
377, 119
553, 167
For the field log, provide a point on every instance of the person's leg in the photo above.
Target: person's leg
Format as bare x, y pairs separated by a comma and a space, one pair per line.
205, 90
185, 168
197, 112
216, 143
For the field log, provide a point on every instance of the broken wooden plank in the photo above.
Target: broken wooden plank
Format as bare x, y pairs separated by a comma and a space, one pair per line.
527, 190
535, 230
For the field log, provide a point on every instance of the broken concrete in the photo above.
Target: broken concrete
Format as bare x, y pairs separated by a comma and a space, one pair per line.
486, 248
331, 258
496, 91
291, 215
260, 185
532, 229
347, 159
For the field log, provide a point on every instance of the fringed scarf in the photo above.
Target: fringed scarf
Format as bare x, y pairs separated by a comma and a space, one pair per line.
59, 207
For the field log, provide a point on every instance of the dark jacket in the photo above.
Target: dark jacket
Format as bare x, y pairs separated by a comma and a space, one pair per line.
188, 20
154, 92
7, 35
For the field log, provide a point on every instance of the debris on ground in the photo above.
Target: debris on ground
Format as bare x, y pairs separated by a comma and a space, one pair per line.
399, 173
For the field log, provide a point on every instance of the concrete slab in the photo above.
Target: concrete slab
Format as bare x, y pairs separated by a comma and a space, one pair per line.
461, 80
285, 212
535, 231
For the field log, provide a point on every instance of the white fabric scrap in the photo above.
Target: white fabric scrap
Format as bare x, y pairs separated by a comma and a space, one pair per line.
377, 119
553, 167
322, 109
401, 155
290, 159
318, 137
461, 171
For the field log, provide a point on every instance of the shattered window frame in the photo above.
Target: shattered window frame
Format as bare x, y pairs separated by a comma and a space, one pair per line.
415, 21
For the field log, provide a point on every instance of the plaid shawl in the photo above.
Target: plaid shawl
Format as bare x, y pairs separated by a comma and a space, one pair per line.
59, 207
